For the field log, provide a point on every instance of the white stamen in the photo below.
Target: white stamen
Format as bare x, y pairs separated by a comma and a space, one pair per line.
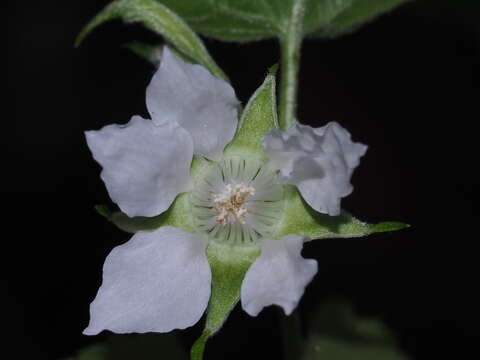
229, 206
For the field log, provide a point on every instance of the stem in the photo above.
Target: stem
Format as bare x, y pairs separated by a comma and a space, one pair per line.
291, 335
290, 43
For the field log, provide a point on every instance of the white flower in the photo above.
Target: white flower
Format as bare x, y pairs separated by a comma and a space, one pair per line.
161, 280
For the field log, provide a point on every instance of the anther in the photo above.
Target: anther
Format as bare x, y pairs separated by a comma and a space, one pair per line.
229, 206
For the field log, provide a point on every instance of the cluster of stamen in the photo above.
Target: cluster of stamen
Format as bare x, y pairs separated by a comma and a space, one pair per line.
237, 201
229, 206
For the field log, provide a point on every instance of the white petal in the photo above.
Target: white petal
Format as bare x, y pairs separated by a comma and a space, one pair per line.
145, 166
319, 161
201, 103
278, 276
156, 282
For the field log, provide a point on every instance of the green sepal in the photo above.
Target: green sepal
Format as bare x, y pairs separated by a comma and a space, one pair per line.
300, 219
259, 116
161, 20
356, 15
178, 215
229, 266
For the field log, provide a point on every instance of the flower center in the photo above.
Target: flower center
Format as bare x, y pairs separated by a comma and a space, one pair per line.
239, 201
229, 206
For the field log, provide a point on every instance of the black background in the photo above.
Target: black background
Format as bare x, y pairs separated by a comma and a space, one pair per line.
406, 85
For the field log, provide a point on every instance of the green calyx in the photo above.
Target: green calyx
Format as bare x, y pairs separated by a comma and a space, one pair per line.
258, 117
300, 219
229, 266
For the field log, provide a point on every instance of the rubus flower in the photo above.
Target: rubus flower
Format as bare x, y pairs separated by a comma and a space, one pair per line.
220, 208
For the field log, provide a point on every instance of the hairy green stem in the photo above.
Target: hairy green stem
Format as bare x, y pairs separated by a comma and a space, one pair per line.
291, 335
290, 43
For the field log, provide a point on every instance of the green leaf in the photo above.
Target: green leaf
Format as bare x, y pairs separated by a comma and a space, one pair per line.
337, 319
134, 346
320, 13
148, 52
152, 346
92, 352
251, 20
233, 20
300, 219
259, 116
337, 333
229, 265
359, 13
161, 20
322, 347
